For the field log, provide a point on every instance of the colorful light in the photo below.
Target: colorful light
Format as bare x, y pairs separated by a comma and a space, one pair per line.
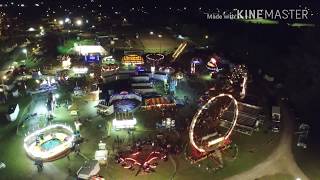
196, 118
34, 152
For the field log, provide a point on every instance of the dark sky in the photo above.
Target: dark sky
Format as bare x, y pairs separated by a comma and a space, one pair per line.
152, 7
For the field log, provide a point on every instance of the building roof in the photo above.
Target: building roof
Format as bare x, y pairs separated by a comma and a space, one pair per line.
88, 167
276, 109
90, 49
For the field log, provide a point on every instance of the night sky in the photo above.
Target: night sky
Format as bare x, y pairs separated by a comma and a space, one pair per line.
36, 8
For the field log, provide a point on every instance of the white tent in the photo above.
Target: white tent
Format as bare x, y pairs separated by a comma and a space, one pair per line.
90, 49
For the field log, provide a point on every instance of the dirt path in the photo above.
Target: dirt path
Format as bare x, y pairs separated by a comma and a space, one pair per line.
174, 164
281, 160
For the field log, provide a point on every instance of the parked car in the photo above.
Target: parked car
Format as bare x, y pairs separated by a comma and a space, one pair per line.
275, 128
302, 141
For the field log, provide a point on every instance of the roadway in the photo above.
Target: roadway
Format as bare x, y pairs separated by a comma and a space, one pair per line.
282, 159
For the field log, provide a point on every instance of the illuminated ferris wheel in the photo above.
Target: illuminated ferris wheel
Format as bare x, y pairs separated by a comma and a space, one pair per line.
206, 133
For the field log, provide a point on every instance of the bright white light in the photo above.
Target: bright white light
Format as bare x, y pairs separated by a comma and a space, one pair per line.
66, 63
153, 69
52, 81
180, 36
244, 86
25, 51
90, 49
56, 96
159, 36
151, 33
42, 109
79, 22
31, 29
80, 70
122, 124
67, 20
61, 22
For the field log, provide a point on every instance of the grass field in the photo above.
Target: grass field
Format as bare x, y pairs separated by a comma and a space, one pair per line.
66, 48
153, 44
252, 149
23, 105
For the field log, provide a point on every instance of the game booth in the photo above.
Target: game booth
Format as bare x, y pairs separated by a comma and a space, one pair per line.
158, 103
132, 59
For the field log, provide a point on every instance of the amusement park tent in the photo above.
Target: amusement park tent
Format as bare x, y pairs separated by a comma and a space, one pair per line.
13, 112
90, 49
158, 102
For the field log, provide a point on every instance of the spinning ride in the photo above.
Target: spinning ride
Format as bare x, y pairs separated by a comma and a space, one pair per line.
49, 143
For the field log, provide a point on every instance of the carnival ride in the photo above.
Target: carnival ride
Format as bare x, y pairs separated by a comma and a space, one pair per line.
167, 70
212, 65
109, 69
179, 50
145, 157
49, 143
154, 58
125, 102
194, 62
239, 78
206, 134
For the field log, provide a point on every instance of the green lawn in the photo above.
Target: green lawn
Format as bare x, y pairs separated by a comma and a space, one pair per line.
23, 105
153, 44
252, 150
66, 48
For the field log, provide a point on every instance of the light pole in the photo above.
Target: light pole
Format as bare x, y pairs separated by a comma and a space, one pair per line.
160, 36
79, 22
25, 51
3, 86
3, 78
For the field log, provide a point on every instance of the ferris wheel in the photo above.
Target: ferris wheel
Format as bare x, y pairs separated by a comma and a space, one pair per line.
213, 139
